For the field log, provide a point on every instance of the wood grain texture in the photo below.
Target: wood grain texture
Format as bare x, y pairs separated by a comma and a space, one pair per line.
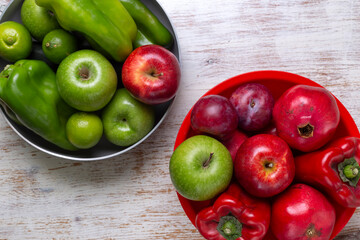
131, 196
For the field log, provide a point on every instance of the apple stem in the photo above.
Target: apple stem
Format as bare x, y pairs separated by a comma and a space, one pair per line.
207, 162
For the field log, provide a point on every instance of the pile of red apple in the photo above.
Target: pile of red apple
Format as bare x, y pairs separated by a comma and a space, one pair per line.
251, 140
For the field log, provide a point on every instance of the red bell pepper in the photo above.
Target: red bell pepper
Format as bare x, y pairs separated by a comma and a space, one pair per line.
234, 215
334, 170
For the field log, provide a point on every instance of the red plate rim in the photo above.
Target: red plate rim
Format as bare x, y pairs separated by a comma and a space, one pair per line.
265, 75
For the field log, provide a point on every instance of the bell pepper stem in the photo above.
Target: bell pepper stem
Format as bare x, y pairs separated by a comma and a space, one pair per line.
349, 171
229, 227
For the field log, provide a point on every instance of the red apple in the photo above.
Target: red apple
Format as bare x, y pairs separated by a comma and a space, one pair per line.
306, 117
264, 165
151, 74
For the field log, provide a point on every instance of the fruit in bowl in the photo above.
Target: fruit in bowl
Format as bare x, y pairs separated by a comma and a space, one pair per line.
264, 165
277, 83
86, 80
201, 168
152, 74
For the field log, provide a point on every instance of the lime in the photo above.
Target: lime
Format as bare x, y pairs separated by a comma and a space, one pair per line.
84, 130
38, 20
58, 44
15, 41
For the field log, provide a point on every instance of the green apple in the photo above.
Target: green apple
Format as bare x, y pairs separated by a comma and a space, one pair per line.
127, 120
201, 168
86, 80
38, 20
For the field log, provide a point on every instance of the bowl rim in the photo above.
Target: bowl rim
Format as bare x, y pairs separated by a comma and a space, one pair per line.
161, 120
255, 76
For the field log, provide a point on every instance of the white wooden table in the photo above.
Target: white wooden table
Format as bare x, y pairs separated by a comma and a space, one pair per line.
131, 196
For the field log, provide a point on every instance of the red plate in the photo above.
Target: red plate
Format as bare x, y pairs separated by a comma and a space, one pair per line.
277, 82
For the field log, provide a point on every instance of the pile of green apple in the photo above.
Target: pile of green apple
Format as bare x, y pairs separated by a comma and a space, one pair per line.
111, 99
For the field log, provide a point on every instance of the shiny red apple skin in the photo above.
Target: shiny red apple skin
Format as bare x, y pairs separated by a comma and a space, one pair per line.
301, 105
233, 142
214, 115
152, 74
264, 165
302, 212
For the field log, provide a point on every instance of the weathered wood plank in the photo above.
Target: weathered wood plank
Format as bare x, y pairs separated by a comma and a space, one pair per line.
131, 196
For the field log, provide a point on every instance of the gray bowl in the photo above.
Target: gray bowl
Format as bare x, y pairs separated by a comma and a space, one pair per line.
104, 149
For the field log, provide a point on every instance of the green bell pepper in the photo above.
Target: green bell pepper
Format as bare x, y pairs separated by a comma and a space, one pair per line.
29, 94
150, 29
106, 24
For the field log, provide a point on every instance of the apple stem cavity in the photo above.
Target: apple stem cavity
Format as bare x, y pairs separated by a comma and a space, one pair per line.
252, 103
269, 165
153, 73
306, 130
84, 73
157, 74
229, 227
206, 164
